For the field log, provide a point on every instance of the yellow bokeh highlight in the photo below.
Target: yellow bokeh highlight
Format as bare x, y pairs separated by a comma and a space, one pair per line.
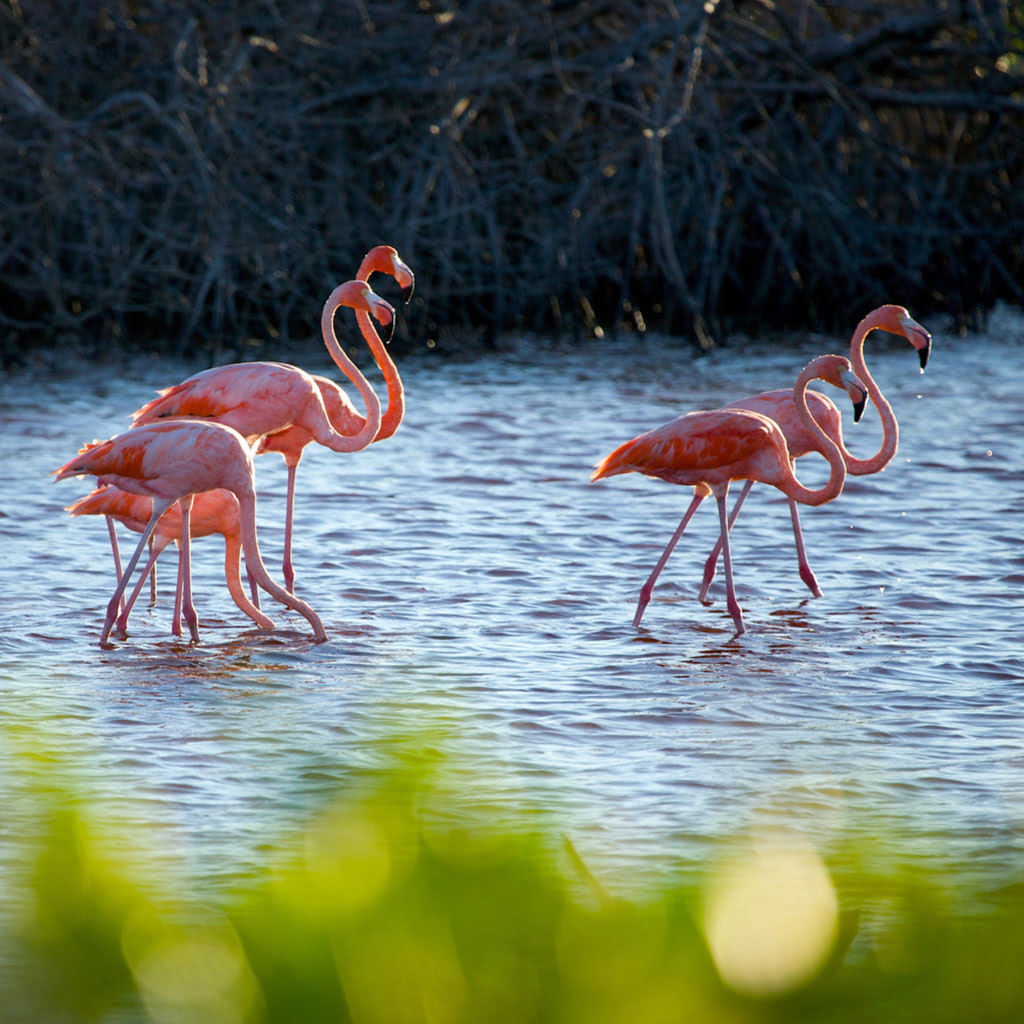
352, 859
191, 971
771, 919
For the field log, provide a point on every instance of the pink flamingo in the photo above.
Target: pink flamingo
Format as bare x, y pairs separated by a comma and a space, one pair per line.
707, 450
212, 512
342, 414
170, 462
262, 398
778, 405
384, 259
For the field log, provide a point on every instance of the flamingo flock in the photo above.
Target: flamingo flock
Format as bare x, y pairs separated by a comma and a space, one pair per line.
752, 438
185, 468
193, 446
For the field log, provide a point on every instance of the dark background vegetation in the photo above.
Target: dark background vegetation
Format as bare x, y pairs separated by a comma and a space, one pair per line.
180, 176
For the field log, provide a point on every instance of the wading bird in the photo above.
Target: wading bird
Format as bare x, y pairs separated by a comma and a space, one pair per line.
778, 406
212, 512
344, 417
708, 450
262, 398
170, 462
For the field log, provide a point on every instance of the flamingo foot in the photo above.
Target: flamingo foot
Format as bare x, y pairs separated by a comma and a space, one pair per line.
736, 612
188, 613
642, 603
113, 609
809, 578
737, 617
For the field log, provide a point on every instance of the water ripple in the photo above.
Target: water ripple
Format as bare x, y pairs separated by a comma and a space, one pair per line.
476, 587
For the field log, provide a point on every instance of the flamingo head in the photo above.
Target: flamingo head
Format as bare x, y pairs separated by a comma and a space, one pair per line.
837, 371
360, 296
896, 320
384, 259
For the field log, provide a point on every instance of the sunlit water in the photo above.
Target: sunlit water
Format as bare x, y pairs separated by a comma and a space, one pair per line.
476, 586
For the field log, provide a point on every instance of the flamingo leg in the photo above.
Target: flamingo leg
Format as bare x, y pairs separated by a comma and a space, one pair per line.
289, 515
730, 588
806, 574
176, 621
115, 550
648, 588
188, 610
711, 564
152, 577
159, 508
122, 620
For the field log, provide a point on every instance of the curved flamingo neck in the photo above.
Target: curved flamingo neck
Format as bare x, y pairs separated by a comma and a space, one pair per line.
375, 262
254, 563
232, 576
833, 487
890, 428
339, 442
395, 412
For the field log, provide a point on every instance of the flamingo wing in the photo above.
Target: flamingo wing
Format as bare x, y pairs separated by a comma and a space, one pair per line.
688, 447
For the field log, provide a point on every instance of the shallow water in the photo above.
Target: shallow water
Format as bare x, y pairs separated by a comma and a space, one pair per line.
475, 584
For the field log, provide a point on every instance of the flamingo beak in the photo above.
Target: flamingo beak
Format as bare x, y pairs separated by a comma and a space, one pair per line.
919, 338
925, 350
857, 392
404, 276
384, 314
858, 407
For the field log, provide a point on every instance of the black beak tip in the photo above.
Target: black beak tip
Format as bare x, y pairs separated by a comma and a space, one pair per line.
407, 293
923, 353
858, 410
389, 330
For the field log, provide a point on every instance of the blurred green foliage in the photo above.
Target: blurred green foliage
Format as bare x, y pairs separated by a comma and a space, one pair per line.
390, 908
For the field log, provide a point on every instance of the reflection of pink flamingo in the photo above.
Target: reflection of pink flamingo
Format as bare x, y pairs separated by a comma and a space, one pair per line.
170, 462
778, 405
707, 450
291, 442
263, 398
212, 512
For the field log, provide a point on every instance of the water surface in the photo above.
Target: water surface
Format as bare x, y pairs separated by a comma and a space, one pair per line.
475, 584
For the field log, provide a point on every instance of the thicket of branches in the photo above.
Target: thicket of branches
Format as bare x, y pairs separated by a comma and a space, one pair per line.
181, 175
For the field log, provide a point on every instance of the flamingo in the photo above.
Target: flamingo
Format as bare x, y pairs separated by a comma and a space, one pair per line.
778, 405
341, 412
262, 398
170, 461
384, 259
709, 449
212, 512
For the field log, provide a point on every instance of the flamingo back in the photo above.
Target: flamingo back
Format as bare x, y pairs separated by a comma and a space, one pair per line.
699, 447
253, 398
168, 460
778, 406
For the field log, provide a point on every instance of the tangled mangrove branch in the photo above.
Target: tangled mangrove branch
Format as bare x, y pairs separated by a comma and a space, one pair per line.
180, 176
